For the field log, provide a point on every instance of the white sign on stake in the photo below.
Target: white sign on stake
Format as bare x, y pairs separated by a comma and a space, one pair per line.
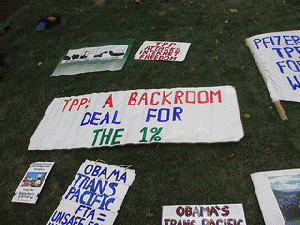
277, 57
162, 51
180, 115
203, 214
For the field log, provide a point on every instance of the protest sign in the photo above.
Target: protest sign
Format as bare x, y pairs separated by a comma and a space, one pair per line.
32, 183
187, 115
95, 195
221, 214
110, 56
277, 57
75, 213
278, 194
163, 51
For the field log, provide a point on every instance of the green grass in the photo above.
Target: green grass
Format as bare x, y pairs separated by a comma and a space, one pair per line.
166, 174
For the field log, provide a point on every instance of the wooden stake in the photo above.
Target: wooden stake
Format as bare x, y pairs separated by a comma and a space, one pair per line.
280, 109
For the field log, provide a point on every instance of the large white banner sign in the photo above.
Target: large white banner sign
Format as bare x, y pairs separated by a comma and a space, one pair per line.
277, 57
190, 115
163, 51
226, 214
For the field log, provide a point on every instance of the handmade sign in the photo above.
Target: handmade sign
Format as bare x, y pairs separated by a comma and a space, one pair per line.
95, 196
96, 57
188, 115
278, 194
160, 50
224, 214
277, 58
32, 183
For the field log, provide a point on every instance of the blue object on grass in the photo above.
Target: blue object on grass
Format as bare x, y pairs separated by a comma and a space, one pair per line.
40, 27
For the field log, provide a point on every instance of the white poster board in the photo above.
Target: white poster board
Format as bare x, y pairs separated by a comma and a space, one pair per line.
110, 55
180, 115
203, 214
277, 57
95, 195
162, 51
32, 183
278, 194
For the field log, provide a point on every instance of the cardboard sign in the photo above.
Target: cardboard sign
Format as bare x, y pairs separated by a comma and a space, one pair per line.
278, 194
277, 57
95, 195
187, 115
225, 214
163, 51
32, 183
97, 57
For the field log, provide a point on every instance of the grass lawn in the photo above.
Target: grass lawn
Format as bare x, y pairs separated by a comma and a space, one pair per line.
166, 174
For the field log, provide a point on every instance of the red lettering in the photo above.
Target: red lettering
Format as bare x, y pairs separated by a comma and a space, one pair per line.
141, 56
152, 97
219, 221
173, 222
67, 101
180, 211
178, 95
156, 57
206, 97
82, 102
225, 210
161, 58
75, 102
165, 98
187, 97
132, 99
167, 221
188, 211
144, 98
108, 102
196, 211
173, 58
147, 57
218, 93
213, 210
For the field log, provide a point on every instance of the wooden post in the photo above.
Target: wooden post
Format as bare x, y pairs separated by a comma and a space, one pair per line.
280, 109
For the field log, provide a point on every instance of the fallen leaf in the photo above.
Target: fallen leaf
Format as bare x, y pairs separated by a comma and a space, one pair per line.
234, 10
247, 115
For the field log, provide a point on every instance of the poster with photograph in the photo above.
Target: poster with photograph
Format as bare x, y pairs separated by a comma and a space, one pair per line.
227, 214
32, 183
110, 56
278, 194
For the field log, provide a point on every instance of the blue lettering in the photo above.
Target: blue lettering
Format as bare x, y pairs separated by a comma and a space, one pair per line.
294, 86
85, 115
296, 68
280, 66
115, 117
150, 115
94, 118
113, 187
159, 117
256, 41
278, 50
295, 39
287, 40
106, 119
177, 111
288, 50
